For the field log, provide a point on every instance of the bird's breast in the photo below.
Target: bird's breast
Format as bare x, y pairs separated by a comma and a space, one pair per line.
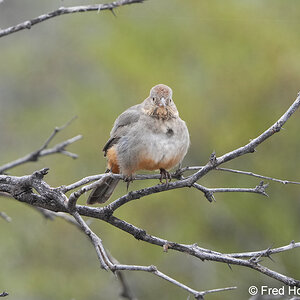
164, 145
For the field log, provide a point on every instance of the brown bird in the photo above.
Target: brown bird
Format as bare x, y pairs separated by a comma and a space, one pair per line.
147, 136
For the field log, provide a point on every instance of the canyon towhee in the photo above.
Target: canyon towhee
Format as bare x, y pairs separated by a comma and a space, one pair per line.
146, 136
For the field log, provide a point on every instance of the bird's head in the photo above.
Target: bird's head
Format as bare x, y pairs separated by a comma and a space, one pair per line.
160, 104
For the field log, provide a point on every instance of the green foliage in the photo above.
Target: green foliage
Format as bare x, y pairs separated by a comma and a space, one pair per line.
234, 68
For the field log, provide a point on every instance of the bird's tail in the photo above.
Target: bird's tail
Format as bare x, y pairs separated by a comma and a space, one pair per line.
103, 192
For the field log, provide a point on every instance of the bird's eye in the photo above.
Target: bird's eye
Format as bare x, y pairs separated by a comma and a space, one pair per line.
153, 99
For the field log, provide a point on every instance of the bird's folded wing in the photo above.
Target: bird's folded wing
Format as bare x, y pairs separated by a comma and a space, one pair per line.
122, 125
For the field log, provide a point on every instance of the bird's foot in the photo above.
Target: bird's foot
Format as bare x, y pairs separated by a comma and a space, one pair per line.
128, 179
164, 174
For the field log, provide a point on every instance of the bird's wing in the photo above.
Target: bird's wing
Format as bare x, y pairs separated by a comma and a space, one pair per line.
122, 125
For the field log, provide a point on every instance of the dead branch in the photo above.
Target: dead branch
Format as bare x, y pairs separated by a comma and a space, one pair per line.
107, 263
195, 168
43, 151
258, 176
267, 252
67, 10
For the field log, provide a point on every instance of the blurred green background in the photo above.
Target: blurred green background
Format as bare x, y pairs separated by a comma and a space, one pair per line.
234, 67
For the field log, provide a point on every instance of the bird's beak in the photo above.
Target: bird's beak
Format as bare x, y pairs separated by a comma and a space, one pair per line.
162, 102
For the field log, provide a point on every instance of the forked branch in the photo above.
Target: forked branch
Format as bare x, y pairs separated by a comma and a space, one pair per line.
43, 151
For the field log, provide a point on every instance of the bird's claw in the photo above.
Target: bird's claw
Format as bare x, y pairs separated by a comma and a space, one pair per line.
164, 174
128, 179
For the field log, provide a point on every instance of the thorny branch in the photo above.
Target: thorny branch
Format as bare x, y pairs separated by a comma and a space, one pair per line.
67, 10
55, 200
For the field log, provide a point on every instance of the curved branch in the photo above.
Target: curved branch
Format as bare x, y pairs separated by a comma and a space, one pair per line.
64, 11
107, 263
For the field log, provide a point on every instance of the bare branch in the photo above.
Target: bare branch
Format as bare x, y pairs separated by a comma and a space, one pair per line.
74, 196
197, 168
92, 178
42, 151
55, 200
60, 148
81, 182
155, 271
216, 291
257, 175
194, 250
55, 131
97, 242
106, 262
267, 252
208, 192
67, 10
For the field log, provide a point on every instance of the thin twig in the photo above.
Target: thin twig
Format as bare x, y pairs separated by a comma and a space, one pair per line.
208, 192
257, 175
197, 168
265, 253
217, 290
42, 151
155, 271
74, 196
55, 131
66, 10
94, 239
